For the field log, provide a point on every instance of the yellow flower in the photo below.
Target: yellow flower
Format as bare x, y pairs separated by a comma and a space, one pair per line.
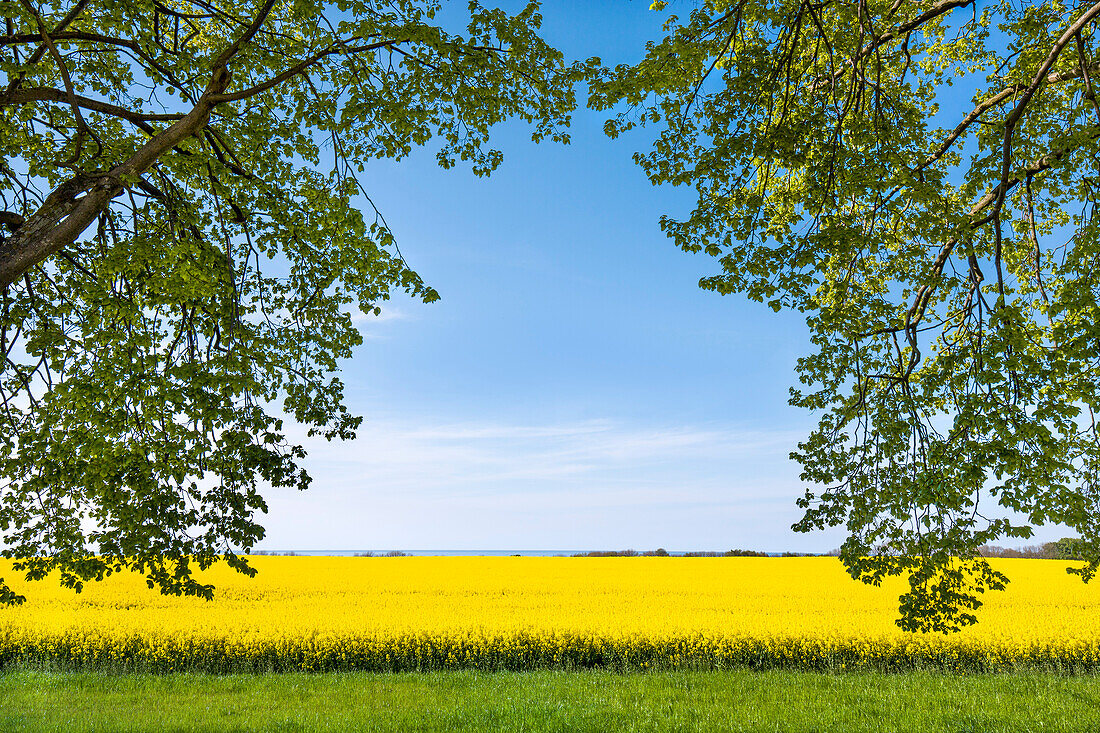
430, 612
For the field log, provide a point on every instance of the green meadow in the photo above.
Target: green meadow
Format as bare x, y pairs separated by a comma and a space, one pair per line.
737, 700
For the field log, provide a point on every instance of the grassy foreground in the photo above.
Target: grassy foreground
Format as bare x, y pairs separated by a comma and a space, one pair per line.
738, 700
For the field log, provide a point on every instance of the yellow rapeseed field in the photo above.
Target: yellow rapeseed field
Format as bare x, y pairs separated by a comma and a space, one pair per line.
326, 613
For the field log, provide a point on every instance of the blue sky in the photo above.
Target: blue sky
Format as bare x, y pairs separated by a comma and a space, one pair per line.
574, 388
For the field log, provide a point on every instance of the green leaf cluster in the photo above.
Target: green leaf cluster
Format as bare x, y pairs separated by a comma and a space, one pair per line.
147, 367
944, 253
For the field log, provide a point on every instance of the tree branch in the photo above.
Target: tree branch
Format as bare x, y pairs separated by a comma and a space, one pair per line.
924, 294
62, 218
47, 94
235, 47
300, 67
1018, 111
35, 57
933, 12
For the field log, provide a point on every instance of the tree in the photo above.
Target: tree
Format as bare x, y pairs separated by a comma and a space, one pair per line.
183, 249
1068, 548
942, 243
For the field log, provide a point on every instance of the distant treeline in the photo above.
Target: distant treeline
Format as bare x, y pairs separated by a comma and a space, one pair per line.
391, 553
659, 552
662, 552
1067, 548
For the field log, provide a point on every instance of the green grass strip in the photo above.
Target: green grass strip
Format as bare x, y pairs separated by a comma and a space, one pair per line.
738, 700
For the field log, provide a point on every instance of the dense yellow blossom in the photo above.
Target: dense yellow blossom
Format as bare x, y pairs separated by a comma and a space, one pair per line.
524, 612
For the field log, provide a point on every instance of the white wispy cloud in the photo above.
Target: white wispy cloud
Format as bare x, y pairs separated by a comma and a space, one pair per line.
388, 314
447, 455
594, 483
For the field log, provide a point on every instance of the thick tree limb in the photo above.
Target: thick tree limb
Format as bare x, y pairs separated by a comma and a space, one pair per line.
63, 217
47, 94
66, 213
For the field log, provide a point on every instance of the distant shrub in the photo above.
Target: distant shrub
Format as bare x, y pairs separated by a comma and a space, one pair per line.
623, 553
1069, 548
396, 553
662, 552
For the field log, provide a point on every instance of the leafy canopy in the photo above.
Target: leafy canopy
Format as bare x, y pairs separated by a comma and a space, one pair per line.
919, 178
183, 250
